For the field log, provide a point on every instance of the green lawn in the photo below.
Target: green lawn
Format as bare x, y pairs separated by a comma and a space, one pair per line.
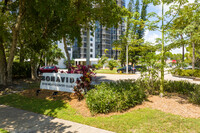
108, 71
3, 131
141, 120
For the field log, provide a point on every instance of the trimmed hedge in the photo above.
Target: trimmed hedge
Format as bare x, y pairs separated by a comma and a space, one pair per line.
188, 73
114, 96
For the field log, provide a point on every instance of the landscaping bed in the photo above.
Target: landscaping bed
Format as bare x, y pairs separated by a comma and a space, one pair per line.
186, 73
146, 117
146, 113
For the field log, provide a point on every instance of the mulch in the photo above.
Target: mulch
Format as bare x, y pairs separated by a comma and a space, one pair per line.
172, 103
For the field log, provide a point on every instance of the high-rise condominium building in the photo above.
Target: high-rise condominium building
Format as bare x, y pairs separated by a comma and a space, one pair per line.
101, 40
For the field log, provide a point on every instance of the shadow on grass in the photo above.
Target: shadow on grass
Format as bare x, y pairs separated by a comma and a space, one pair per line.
18, 120
41, 106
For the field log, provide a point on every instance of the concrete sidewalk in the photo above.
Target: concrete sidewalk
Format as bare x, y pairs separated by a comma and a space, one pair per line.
21, 121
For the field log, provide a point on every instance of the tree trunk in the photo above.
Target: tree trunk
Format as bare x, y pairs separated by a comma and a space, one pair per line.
183, 50
193, 56
21, 53
3, 71
67, 53
33, 71
15, 32
33, 67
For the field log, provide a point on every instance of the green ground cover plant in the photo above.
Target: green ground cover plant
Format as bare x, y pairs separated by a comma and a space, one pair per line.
114, 96
139, 121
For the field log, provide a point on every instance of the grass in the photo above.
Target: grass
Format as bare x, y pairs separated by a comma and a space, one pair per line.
143, 120
107, 71
3, 131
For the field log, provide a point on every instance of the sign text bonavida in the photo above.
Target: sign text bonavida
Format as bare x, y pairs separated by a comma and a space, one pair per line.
59, 81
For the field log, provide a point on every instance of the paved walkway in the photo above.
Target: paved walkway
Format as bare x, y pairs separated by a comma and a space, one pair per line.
21, 121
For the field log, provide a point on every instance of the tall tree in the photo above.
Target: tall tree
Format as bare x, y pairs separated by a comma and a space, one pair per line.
165, 25
16, 13
143, 18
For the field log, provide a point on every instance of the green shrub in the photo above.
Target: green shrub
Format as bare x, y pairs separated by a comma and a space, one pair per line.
97, 66
181, 87
114, 96
150, 86
112, 64
21, 69
189, 73
195, 95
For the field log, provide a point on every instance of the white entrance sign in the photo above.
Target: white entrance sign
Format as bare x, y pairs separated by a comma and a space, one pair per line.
59, 81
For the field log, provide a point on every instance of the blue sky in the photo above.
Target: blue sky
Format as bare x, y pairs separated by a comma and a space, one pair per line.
150, 36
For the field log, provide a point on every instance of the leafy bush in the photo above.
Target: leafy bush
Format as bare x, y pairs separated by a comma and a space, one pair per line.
86, 79
181, 87
97, 66
195, 95
114, 96
112, 64
101, 62
150, 86
189, 73
21, 69
71, 62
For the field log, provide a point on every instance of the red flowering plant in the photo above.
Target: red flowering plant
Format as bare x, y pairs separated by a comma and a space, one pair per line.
84, 83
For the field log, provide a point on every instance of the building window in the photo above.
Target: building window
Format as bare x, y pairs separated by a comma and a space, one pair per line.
91, 56
69, 49
85, 44
91, 50
91, 39
91, 44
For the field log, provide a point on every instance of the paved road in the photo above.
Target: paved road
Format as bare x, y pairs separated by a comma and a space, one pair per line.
115, 77
20, 121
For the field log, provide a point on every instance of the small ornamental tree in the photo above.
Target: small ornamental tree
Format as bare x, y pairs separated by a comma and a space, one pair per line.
84, 83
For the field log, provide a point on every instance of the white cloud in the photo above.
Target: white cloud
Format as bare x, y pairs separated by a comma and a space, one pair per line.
151, 36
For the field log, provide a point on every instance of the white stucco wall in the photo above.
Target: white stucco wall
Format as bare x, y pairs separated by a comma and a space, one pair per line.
61, 61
